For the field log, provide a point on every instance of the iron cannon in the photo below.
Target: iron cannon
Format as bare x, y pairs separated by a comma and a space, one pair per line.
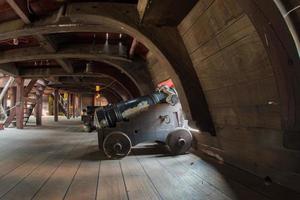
87, 118
153, 118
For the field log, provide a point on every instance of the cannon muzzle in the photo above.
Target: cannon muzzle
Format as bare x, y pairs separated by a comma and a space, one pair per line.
110, 115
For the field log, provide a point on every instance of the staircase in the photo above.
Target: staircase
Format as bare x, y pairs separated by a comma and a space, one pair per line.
32, 94
31, 101
62, 104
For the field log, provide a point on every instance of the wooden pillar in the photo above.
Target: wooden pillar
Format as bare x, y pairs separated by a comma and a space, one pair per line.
68, 105
4, 101
80, 104
73, 105
39, 110
20, 103
55, 106
13, 96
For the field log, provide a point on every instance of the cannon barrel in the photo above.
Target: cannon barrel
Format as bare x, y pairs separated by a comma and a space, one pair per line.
110, 115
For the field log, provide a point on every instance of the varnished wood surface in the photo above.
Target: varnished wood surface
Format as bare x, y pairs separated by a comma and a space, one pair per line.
58, 161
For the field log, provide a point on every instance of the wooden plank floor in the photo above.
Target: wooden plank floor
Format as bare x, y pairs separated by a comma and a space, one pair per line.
59, 161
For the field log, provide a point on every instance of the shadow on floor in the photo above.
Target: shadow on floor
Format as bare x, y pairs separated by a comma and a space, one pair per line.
235, 178
94, 156
156, 150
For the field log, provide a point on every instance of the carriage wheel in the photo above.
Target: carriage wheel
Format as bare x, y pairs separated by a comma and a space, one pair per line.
116, 145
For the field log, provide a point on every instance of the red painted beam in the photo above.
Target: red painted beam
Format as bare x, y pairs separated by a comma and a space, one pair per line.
56, 105
29, 87
38, 110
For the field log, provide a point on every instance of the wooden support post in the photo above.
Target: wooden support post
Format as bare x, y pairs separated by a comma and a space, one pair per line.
25, 106
13, 97
12, 112
78, 110
38, 110
55, 106
68, 105
20, 103
73, 105
80, 103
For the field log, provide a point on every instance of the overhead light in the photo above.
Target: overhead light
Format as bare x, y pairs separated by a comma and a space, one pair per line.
106, 36
120, 36
98, 88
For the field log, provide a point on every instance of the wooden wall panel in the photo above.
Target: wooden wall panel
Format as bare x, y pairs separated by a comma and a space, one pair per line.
241, 91
157, 73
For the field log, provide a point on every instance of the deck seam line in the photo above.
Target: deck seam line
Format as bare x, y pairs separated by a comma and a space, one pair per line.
26, 176
86, 150
49, 177
22, 163
213, 187
97, 184
123, 177
148, 177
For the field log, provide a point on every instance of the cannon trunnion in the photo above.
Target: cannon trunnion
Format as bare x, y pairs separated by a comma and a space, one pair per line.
157, 117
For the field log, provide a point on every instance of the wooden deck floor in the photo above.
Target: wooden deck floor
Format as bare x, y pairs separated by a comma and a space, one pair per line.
58, 161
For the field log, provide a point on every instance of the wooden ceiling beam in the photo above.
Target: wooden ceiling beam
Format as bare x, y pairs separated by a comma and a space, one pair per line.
88, 80
9, 69
55, 72
117, 88
51, 47
165, 42
17, 28
157, 12
21, 9
46, 43
59, 57
73, 51
65, 64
